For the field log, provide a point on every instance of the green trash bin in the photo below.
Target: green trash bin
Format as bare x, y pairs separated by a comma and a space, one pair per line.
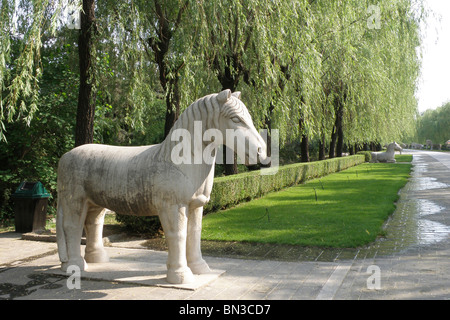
30, 207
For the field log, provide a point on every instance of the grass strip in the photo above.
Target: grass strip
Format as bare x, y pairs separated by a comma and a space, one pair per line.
344, 209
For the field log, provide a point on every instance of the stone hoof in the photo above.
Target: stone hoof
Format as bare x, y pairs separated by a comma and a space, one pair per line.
180, 276
200, 267
78, 262
96, 256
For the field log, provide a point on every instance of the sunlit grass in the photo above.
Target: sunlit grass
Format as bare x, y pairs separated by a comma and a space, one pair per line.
403, 157
345, 209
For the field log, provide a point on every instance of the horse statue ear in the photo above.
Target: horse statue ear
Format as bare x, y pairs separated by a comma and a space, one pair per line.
237, 94
224, 95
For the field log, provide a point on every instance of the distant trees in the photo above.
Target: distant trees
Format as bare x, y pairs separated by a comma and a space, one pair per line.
369, 69
434, 125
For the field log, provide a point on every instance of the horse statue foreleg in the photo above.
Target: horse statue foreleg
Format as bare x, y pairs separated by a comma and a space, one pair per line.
174, 222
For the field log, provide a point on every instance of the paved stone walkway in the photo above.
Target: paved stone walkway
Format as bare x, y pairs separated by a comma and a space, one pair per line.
412, 262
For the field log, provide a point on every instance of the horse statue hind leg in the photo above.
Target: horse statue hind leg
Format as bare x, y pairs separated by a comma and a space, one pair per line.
76, 212
70, 228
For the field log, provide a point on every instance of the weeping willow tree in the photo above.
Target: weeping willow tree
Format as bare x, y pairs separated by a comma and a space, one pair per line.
27, 23
125, 26
434, 125
23, 22
312, 69
385, 108
236, 49
369, 70
265, 50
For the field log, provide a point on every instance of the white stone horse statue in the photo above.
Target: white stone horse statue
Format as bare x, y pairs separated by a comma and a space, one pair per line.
146, 181
388, 156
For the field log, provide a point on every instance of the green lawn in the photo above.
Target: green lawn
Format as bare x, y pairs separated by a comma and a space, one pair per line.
345, 209
403, 157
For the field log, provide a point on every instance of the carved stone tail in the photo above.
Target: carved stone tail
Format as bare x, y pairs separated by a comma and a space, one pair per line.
60, 236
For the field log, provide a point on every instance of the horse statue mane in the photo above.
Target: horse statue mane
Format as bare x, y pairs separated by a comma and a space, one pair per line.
208, 110
388, 156
147, 181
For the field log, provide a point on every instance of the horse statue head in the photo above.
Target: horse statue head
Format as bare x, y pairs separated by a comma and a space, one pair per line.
211, 121
236, 125
394, 146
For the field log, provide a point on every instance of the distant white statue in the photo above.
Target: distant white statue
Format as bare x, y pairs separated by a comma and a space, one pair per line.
151, 180
415, 145
388, 156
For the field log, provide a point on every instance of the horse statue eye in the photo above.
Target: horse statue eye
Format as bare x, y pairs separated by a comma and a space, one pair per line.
235, 119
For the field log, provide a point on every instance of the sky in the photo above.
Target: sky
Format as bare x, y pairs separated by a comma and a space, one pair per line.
434, 82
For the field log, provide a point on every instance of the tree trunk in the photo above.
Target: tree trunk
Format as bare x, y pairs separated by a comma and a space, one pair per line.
170, 86
268, 125
322, 148
304, 148
351, 149
230, 166
337, 135
333, 142
340, 140
304, 153
172, 105
160, 46
84, 130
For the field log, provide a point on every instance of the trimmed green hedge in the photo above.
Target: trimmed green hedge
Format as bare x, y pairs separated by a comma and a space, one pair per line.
229, 191
367, 154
